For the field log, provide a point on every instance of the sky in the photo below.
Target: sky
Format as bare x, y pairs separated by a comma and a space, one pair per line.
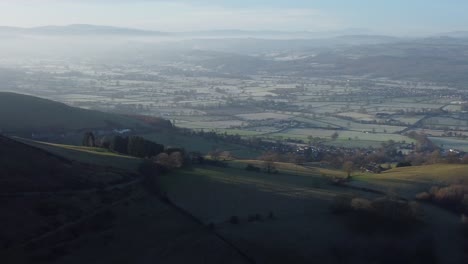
380, 16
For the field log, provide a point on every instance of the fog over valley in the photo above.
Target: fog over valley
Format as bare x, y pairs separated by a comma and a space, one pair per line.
233, 131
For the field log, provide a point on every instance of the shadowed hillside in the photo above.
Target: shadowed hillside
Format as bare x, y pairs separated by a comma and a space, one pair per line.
24, 113
28, 169
62, 211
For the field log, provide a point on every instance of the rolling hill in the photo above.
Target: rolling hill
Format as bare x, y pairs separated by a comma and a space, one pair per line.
301, 229
25, 114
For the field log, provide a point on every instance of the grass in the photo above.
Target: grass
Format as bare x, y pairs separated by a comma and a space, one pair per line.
234, 187
292, 169
412, 180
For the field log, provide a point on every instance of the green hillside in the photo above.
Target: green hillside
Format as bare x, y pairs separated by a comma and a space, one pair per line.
24, 113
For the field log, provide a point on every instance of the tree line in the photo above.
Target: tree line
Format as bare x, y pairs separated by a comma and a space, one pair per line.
136, 146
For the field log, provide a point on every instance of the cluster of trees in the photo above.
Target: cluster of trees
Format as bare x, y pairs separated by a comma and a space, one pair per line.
170, 160
89, 140
136, 146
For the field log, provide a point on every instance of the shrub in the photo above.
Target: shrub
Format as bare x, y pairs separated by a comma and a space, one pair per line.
451, 196
433, 190
385, 214
251, 218
341, 204
396, 210
465, 204
251, 167
424, 196
47, 209
464, 222
403, 164
271, 215
361, 204
234, 220
258, 217
150, 172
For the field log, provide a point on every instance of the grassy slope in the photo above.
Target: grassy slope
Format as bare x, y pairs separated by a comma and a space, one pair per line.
303, 231
23, 113
411, 180
298, 202
292, 169
185, 183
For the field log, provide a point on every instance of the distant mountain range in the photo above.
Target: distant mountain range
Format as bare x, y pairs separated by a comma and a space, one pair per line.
79, 29
90, 30
96, 30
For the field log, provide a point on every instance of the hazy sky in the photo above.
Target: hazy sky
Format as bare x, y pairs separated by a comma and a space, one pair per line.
386, 16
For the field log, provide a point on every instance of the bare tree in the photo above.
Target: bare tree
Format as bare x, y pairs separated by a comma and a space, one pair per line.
269, 159
335, 136
176, 159
163, 160
348, 167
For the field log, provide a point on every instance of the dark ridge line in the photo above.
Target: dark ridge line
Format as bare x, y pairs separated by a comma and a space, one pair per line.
60, 158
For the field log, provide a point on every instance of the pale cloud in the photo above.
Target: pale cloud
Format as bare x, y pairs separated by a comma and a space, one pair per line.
162, 15
201, 18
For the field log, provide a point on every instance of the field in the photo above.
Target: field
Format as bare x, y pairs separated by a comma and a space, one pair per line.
262, 116
451, 143
203, 145
302, 227
345, 138
367, 112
